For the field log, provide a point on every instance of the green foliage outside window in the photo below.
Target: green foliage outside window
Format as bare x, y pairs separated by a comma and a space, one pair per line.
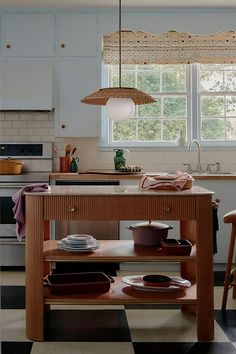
163, 120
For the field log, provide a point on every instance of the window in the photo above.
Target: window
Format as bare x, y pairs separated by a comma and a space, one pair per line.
217, 99
197, 101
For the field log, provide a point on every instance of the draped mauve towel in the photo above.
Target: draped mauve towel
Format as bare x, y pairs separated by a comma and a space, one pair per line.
19, 208
176, 181
215, 206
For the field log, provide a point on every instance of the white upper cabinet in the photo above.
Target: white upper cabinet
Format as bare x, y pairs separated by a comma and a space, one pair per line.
76, 79
28, 35
77, 34
26, 85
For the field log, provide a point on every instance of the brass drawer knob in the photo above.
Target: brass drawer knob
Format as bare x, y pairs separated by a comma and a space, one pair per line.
72, 209
63, 45
167, 208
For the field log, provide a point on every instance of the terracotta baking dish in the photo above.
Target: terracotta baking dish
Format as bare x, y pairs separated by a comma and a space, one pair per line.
10, 167
75, 283
176, 247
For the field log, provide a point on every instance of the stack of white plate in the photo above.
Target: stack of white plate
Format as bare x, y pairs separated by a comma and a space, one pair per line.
78, 243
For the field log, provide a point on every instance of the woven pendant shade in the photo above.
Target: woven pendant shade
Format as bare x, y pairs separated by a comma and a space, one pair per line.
101, 96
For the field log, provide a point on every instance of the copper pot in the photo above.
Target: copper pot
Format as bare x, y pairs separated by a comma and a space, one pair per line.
10, 166
149, 234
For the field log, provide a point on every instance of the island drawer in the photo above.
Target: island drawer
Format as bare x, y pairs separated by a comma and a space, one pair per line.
119, 207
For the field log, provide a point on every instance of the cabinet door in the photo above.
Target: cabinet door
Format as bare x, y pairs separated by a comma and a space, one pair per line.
26, 85
77, 34
29, 35
76, 79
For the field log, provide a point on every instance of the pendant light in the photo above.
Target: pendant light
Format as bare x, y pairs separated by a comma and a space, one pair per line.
119, 101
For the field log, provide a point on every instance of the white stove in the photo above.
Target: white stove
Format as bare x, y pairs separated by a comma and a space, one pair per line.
37, 165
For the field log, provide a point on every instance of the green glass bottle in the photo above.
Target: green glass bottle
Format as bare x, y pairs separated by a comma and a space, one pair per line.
119, 159
74, 165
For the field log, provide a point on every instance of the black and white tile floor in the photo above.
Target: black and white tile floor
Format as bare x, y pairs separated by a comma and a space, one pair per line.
129, 329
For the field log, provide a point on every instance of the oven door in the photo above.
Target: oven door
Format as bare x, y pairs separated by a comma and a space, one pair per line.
7, 222
12, 251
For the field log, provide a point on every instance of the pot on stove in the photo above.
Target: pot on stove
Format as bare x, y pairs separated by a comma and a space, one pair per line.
11, 166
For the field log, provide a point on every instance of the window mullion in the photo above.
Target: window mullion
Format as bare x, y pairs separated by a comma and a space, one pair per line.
195, 104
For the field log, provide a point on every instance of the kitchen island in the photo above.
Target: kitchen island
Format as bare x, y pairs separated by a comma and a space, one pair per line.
192, 208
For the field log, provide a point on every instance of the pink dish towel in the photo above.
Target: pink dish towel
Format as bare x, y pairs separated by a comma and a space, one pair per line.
19, 208
177, 182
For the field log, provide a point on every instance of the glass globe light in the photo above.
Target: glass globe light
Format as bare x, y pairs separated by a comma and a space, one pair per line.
120, 108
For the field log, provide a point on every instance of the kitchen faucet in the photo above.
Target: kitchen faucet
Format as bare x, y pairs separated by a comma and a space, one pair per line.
199, 167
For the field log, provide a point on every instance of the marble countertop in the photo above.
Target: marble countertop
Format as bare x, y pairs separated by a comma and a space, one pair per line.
117, 190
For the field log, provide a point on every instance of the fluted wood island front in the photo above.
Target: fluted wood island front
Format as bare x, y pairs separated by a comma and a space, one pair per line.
191, 207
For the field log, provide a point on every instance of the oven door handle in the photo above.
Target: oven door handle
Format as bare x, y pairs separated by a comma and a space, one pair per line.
12, 185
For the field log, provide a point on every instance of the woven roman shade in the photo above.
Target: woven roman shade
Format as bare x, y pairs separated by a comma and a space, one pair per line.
170, 48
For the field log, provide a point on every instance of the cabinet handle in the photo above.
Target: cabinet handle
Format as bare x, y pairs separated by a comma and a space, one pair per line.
8, 46
63, 45
63, 126
72, 209
167, 208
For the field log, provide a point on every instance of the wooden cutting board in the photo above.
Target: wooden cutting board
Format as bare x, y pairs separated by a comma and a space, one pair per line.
113, 172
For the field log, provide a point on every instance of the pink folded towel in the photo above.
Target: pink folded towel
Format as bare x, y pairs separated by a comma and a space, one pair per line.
19, 208
177, 181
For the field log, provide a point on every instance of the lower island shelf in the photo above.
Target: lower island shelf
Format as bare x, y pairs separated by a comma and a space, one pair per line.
121, 294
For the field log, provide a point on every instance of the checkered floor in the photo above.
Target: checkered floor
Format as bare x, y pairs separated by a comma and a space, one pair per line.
133, 329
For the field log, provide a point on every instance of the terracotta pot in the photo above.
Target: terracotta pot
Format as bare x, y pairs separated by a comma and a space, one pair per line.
149, 234
65, 164
10, 167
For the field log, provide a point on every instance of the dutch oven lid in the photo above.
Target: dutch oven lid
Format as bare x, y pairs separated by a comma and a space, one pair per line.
150, 225
10, 160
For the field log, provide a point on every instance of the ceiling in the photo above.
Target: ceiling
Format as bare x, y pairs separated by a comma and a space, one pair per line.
114, 3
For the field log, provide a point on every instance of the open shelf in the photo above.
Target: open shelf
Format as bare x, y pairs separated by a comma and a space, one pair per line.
114, 251
121, 293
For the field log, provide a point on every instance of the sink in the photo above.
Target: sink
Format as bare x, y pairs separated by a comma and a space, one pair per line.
212, 173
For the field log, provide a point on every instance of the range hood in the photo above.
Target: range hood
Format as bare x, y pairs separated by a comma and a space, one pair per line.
26, 86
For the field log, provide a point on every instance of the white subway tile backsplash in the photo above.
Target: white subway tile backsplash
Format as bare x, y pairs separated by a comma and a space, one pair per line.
41, 116
12, 132
47, 124
11, 116
33, 124
6, 124
26, 115
18, 124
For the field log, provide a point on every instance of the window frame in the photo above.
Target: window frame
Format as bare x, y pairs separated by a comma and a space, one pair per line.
214, 144
193, 118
